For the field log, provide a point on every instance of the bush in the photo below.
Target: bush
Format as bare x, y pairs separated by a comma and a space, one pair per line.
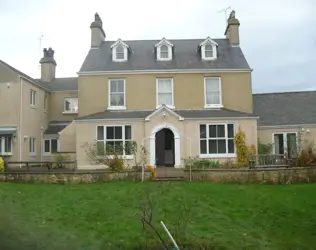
197, 163
153, 172
1, 164
116, 164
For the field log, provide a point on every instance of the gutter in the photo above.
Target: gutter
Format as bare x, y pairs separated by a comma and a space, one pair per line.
20, 121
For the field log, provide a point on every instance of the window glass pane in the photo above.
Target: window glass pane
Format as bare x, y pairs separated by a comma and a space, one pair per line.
208, 47
47, 146
109, 132
113, 85
118, 147
221, 144
109, 147
164, 54
231, 147
67, 105
212, 146
119, 55
208, 53
100, 148
212, 84
7, 145
117, 100
220, 130
165, 99
30, 145
54, 146
164, 86
128, 132
230, 128
118, 133
164, 48
202, 131
100, 133
203, 147
119, 49
128, 147
1, 138
212, 131
31, 97
120, 86
212, 98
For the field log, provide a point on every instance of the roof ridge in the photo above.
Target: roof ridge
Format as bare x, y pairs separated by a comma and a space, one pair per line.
171, 39
288, 92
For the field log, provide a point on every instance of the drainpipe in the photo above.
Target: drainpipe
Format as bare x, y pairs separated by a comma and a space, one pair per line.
20, 121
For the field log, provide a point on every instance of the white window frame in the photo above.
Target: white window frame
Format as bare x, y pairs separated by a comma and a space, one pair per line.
223, 155
114, 53
285, 140
109, 95
71, 100
45, 102
50, 147
32, 146
32, 98
220, 104
2, 142
169, 58
157, 93
124, 156
214, 48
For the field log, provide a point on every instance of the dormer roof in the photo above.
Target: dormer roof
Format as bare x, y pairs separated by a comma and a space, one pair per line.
120, 42
164, 41
208, 40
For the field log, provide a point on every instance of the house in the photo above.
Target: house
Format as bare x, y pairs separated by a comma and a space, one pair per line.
178, 98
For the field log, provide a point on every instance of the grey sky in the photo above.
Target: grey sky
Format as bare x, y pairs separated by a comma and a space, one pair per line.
277, 36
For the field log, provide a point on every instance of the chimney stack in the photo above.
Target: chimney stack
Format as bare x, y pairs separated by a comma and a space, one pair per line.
97, 32
48, 65
232, 29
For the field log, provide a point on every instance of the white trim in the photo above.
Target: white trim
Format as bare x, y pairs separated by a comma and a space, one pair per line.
32, 97
165, 108
207, 138
169, 58
163, 71
208, 40
114, 46
32, 145
70, 99
109, 95
2, 144
220, 104
214, 51
119, 42
284, 139
164, 41
50, 146
172, 94
152, 146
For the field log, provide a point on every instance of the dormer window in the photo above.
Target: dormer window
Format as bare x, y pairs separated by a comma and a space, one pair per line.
208, 49
120, 51
164, 50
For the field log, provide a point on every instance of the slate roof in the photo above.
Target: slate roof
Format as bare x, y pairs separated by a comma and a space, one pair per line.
289, 108
55, 127
142, 114
185, 56
62, 84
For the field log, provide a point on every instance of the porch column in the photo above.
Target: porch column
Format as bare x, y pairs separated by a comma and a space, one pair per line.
177, 154
152, 151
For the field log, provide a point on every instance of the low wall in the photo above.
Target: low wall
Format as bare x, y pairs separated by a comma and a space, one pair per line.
73, 177
259, 176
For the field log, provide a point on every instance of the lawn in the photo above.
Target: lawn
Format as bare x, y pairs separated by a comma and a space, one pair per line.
106, 216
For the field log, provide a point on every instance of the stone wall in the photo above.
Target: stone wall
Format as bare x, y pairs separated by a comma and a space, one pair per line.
259, 176
73, 177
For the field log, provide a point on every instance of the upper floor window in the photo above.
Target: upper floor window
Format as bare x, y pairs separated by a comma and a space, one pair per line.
217, 140
114, 139
6, 145
119, 51
208, 49
212, 92
71, 105
45, 102
32, 146
164, 50
164, 91
32, 97
116, 94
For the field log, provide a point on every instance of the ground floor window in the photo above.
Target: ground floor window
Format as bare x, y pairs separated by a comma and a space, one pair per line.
5, 145
114, 139
50, 146
285, 143
32, 146
217, 140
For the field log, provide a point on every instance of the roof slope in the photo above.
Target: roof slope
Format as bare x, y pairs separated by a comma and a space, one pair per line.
285, 108
143, 57
142, 114
62, 84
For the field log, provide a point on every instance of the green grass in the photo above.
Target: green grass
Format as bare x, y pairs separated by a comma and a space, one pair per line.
106, 216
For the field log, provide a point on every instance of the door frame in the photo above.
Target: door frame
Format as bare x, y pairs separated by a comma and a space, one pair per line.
152, 145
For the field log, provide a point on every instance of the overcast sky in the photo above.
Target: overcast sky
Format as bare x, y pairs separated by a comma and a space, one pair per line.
278, 37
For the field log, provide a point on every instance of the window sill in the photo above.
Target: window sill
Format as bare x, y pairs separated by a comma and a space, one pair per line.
215, 106
124, 157
117, 108
217, 156
120, 60
32, 106
5, 154
164, 59
45, 111
69, 112
209, 58
32, 154
169, 106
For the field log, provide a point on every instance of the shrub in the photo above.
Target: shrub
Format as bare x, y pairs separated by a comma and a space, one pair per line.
264, 149
306, 156
1, 164
153, 172
198, 163
116, 164
243, 151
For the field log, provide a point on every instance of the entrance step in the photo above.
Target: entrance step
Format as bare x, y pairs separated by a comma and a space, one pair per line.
169, 172
169, 179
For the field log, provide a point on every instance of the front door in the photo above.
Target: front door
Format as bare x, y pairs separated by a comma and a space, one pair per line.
165, 148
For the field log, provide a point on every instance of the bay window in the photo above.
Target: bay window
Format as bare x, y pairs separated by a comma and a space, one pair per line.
217, 140
114, 140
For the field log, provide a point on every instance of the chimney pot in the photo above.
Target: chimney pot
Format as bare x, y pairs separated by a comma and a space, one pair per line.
48, 65
97, 32
232, 29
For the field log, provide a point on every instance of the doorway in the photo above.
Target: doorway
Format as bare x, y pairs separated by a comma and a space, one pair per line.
164, 140
286, 143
